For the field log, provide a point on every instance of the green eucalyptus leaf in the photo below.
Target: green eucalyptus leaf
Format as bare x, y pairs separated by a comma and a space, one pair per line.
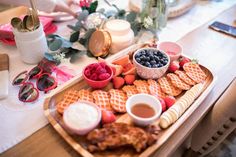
102, 10
136, 27
55, 45
131, 17
74, 28
93, 7
66, 43
74, 57
82, 16
110, 13
82, 41
49, 56
89, 54
74, 36
121, 13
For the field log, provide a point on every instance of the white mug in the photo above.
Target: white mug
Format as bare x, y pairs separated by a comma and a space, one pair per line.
31, 45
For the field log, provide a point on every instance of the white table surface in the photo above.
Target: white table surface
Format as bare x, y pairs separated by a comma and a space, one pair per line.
18, 120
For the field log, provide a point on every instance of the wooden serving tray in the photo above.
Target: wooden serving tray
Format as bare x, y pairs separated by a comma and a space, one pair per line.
79, 142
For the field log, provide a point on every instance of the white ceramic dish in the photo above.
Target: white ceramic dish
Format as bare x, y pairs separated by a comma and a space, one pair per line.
145, 99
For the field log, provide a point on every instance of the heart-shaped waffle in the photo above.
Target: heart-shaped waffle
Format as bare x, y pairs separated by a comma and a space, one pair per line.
175, 80
69, 98
130, 90
168, 88
85, 95
118, 100
155, 89
141, 86
102, 99
184, 77
194, 71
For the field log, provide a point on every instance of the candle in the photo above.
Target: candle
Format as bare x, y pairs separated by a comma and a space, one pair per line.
121, 34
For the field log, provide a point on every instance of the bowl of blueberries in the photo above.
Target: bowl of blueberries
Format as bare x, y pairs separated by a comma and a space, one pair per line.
151, 63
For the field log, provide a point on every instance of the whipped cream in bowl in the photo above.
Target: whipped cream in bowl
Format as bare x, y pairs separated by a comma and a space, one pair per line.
81, 117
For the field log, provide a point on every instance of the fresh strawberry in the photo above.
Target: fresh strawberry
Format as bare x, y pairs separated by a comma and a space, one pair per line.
129, 69
118, 82
94, 77
129, 79
104, 76
173, 66
183, 60
169, 100
108, 117
163, 104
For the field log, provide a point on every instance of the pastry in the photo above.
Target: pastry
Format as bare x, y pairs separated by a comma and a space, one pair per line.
155, 89
194, 71
69, 98
175, 80
184, 77
130, 90
118, 100
175, 111
141, 86
167, 87
85, 95
102, 99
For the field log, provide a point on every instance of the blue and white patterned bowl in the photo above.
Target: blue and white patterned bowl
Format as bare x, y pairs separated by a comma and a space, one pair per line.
150, 73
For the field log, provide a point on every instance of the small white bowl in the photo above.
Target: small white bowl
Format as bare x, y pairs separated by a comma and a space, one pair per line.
173, 47
81, 117
150, 73
146, 99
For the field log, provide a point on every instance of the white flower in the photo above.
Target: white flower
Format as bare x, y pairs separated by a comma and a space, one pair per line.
147, 22
59, 56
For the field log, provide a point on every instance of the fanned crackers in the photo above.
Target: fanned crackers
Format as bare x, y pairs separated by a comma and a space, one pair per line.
85, 95
155, 89
141, 86
168, 88
69, 98
175, 80
175, 111
118, 100
194, 71
130, 90
184, 77
102, 99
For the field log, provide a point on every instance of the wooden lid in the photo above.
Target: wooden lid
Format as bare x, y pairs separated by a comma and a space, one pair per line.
4, 62
99, 43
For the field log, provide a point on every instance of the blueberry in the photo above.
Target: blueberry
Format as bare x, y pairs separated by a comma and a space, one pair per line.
147, 64
156, 58
153, 62
138, 60
155, 66
137, 55
147, 58
151, 57
143, 52
155, 53
142, 58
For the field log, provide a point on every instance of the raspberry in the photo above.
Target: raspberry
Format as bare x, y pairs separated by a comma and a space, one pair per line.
104, 76
100, 70
87, 72
94, 77
103, 64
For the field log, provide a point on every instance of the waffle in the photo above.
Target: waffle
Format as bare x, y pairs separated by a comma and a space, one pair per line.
141, 86
102, 99
130, 90
85, 95
184, 77
175, 80
118, 100
70, 97
155, 89
167, 87
194, 71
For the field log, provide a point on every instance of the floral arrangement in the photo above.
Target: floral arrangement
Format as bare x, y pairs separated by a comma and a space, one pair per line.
81, 32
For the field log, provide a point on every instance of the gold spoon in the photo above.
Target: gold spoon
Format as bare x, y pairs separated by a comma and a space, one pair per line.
29, 24
35, 14
16, 23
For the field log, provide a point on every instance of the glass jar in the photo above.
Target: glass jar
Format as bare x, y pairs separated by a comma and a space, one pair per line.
154, 14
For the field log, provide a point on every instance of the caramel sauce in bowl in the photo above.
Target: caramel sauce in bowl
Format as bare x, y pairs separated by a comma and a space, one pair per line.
143, 109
